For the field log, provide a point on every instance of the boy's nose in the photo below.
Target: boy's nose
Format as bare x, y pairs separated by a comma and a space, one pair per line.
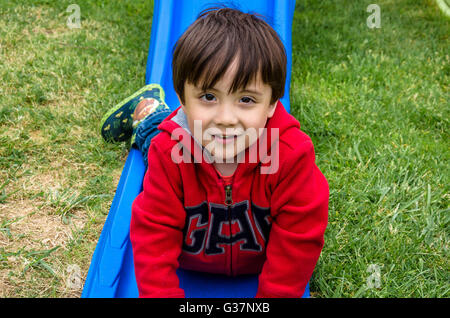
225, 116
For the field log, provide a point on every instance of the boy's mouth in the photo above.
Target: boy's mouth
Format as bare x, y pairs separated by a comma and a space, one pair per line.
227, 139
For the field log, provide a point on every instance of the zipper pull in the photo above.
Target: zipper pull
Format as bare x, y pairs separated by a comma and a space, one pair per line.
228, 195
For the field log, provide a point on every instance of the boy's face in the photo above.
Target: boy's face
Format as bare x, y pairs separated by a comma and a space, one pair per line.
229, 123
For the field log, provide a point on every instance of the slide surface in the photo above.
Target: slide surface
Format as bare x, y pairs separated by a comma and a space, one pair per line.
111, 273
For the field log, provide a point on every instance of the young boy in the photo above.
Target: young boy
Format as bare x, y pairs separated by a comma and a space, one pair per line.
232, 186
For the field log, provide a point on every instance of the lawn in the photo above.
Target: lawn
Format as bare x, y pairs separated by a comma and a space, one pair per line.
375, 102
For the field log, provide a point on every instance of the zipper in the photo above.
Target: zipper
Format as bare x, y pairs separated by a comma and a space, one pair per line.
228, 195
228, 203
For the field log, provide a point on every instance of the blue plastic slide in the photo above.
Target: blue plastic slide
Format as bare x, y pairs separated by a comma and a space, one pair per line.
111, 273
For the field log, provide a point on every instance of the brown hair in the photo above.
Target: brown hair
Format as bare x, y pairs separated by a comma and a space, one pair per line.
219, 35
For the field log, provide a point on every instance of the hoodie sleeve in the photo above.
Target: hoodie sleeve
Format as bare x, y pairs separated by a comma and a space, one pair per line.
156, 228
299, 206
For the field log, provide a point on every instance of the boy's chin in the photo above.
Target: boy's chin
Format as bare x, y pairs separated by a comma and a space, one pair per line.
219, 158
233, 155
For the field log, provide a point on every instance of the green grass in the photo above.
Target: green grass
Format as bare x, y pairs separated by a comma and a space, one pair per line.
374, 101
55, 170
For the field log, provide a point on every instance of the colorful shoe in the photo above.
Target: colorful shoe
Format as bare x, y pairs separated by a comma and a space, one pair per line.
143, 109
117, 123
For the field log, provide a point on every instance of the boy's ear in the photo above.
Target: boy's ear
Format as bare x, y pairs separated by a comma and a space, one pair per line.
272, 109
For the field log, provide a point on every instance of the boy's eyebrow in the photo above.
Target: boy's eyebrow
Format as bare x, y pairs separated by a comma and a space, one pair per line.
242, 91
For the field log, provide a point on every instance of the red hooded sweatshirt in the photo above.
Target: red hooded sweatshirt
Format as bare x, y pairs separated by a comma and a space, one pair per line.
268, 218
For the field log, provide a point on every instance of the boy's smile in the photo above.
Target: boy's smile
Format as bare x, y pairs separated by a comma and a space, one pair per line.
229, 122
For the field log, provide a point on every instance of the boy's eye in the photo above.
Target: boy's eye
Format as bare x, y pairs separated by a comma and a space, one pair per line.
207, 97
247, 100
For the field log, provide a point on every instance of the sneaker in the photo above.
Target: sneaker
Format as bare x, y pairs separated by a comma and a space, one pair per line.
117, 123
143, 109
